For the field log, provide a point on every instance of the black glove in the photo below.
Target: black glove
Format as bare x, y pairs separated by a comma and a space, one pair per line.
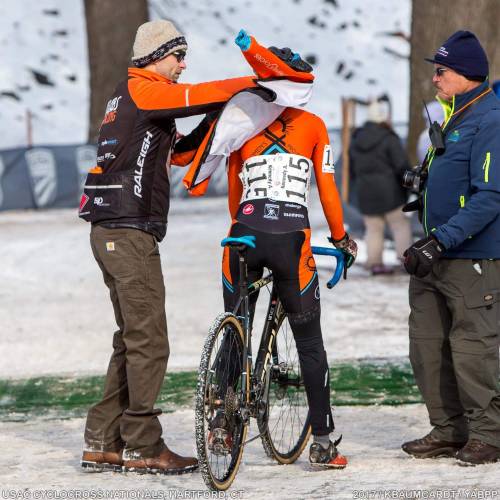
348, 247
422, 255
292, 59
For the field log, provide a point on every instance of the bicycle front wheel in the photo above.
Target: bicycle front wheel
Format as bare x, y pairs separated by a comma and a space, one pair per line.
284, 426
220, 430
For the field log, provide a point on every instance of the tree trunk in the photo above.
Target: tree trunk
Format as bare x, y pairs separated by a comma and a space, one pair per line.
111, 28
433, 21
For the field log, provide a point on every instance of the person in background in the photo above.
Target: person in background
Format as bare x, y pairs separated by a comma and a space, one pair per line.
378, 161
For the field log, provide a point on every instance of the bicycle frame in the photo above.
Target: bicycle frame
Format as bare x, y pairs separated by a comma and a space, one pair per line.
242, 306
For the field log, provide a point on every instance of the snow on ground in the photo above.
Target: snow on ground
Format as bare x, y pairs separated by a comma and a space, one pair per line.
56, 315
372, 438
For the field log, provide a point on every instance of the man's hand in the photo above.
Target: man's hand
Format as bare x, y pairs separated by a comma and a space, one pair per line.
422, 255
292, 59
349, 248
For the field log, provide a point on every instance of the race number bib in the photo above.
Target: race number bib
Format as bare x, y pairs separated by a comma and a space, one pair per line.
280, 177
328, 167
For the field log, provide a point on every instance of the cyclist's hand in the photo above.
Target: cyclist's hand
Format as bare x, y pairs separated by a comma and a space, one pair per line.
349, 248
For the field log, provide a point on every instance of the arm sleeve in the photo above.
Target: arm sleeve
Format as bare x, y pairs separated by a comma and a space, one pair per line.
178, 100
484, 204
235, 187
328, 193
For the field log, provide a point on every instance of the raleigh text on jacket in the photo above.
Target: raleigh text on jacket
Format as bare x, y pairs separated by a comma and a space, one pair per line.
140, 163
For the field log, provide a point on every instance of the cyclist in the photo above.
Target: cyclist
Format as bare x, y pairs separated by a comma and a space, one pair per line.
269, 178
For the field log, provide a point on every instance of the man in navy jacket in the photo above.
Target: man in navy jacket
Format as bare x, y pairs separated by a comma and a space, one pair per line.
455, 283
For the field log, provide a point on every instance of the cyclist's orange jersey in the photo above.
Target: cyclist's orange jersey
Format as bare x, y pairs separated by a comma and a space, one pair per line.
295, 136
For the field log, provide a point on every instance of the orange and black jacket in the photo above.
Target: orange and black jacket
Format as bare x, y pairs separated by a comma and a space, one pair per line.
296, 132
130, 184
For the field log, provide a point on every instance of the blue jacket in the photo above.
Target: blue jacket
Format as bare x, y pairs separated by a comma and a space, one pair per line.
462, 192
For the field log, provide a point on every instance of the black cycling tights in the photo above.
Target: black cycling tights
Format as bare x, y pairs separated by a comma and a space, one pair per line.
306, 330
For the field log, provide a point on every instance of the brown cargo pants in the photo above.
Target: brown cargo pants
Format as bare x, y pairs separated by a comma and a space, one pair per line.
130, 263
454, 339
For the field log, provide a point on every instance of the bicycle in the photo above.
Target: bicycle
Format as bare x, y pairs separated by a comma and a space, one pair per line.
230, 390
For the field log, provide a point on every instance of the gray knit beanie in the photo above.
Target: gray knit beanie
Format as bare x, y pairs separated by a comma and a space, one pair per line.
155, 40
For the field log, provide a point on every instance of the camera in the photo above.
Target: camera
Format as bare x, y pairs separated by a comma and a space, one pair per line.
414, 179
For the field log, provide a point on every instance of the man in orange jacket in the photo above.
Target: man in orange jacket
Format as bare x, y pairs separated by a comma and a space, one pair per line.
126, 198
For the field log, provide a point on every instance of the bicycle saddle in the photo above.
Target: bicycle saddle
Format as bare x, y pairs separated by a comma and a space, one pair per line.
248, 241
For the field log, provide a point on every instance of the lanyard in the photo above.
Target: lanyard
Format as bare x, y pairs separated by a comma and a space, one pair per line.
465, 106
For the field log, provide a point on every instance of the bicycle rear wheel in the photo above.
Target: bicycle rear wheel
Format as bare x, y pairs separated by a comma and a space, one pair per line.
284, 426
218, 405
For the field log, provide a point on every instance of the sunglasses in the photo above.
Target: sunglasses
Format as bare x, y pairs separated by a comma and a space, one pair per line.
439, 71
179, 55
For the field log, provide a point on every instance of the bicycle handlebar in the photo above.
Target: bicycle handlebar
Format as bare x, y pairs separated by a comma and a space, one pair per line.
249, 241
339, 268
